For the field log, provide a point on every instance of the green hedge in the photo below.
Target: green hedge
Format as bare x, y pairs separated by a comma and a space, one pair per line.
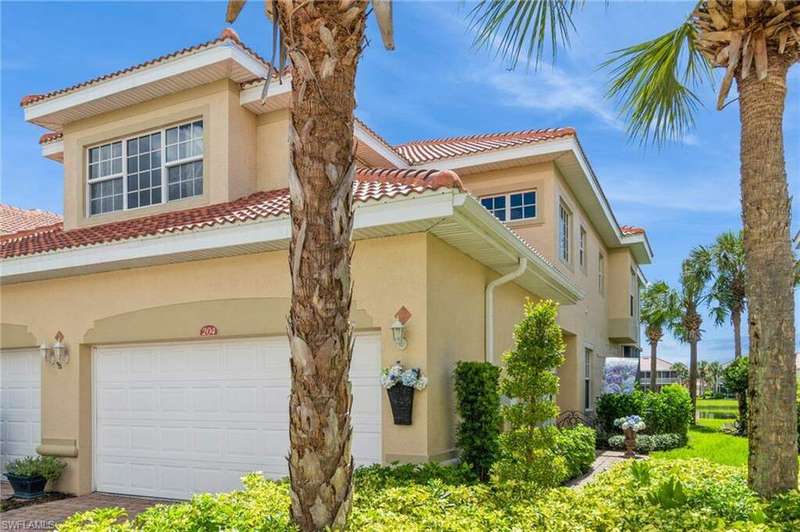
669, 495
477, 391
667, 411
646, 443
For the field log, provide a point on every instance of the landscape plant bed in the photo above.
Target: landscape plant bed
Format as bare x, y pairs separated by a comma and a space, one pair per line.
12, 503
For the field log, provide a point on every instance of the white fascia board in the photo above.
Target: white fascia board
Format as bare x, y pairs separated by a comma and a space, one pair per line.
51, 150
276, 88
402, 209
484, 222
378, 147
640, 247
171, 68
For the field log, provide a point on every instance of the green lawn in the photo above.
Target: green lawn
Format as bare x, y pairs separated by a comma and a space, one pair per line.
706, 439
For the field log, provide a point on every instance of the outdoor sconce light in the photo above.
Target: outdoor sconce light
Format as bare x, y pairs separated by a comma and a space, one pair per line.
57, 355
399, 328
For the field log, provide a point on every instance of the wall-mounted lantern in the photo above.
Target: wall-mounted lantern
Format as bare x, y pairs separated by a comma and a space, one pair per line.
399, 328
57, 355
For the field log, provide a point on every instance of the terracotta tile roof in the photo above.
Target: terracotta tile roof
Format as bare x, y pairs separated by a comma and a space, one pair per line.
631, 230
51, 136
227, 35
14, 219
421, 151
370, 184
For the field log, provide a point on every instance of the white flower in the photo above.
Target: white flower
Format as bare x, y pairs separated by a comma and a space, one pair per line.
422, 383
407, 377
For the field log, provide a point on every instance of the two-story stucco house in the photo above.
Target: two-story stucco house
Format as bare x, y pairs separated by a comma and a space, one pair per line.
168, 276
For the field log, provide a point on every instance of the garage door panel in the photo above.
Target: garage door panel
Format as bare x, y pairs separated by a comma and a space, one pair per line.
209, 413
20, 403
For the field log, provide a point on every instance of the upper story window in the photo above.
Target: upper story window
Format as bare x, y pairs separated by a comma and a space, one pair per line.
601, 273
582, 250
129, 173
512, 206
564, 227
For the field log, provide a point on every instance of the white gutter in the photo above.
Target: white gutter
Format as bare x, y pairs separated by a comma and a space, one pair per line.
489, 319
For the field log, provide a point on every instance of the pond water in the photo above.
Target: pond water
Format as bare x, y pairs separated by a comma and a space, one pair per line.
711, 414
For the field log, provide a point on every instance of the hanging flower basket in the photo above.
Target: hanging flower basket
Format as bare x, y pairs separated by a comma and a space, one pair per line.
400, 385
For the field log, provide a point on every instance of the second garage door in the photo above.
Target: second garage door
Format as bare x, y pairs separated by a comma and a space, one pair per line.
20, 413
176, 419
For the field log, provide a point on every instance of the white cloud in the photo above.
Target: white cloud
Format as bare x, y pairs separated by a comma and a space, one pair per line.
674, 192
552, 89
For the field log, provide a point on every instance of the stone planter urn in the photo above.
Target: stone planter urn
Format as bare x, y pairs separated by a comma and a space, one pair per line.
630, 443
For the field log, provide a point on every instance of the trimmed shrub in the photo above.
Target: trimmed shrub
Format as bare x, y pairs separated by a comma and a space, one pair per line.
577, 446
477, 392
48, 467
668, 411
670, 495
646, 443
612, 406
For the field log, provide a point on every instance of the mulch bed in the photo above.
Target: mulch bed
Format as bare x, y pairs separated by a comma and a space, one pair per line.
12, 503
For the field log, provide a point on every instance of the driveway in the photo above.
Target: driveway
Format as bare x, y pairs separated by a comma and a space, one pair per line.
45, 516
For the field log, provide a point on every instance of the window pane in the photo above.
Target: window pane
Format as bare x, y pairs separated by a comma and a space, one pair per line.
144, 180
530, 212
105, 152
133, 200
133, 145
197, 147
144, 144
155, 194
185, 180
94, 155
516, 213
133, 164
501, 215
487, 202
155, 177
172, 135
185, 132
116, 166
174, 192
155, 158
197, 129
118, 203
94, 171
516, 201
173, 174
133, 183
183, 150
172, 153
144, 197
144, 162
116, 149
155, 141
105, 168
530, 198
500, 202
94, 207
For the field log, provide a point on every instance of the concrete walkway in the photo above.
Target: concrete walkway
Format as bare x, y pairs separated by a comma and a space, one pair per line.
46, 515
604, 460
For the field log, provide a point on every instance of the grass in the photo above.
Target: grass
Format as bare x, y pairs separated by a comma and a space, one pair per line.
706, 439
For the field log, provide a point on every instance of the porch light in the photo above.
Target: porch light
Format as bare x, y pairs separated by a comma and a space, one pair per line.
401, 317
57, 355
399, 334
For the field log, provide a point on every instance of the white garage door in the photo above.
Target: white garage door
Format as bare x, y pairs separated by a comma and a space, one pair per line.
20, 398
176, 419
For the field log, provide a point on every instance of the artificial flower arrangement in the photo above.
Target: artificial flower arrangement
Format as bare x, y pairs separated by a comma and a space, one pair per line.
401, 398
633, 423
411, 377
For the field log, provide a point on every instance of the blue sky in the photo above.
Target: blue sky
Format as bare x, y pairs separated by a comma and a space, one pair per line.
435, 84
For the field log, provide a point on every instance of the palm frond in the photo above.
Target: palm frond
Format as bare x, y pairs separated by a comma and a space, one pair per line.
653, 84
517, 27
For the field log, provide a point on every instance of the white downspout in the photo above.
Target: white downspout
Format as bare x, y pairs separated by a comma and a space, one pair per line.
489, 318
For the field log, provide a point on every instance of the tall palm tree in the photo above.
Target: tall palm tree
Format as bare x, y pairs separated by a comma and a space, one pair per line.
702, 374
660, 310
695, 273
756, 42
727, 293
323, 40
714, 373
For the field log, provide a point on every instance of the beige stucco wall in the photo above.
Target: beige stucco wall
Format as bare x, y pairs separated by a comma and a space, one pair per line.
229, 148
243, 296
586, 324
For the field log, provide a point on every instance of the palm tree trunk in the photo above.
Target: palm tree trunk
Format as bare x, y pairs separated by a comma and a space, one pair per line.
693, 377
736, 319
324, 45
772, 411
653, 366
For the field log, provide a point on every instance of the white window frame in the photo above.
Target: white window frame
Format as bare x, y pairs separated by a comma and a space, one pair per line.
164, 166
582, 241
103, 179
564, 233
587, 378
507, 196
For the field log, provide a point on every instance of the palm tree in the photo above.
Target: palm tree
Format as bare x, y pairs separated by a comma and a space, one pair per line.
323, 40
714, 372
681, 372
702, 374
756, 42
728, 289
660, 310
695, 273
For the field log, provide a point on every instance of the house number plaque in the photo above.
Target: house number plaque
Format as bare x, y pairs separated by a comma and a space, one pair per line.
208, 330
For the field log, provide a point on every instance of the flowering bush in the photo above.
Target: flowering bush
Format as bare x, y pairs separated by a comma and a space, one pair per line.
634, 423
411, 377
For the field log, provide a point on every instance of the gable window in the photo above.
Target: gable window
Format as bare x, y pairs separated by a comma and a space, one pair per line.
130, 173
513, 206
582, 249
564, 225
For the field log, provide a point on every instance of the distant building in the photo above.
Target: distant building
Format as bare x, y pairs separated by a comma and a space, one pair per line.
664, 373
